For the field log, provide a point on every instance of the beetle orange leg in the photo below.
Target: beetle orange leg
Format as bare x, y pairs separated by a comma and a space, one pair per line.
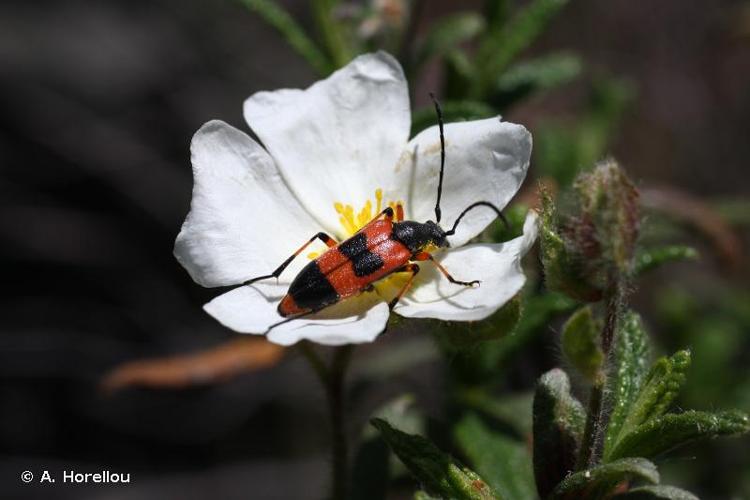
320, 236
427, 256
413, 269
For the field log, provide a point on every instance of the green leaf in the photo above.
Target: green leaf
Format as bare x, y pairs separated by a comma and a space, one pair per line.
537, 75
373, 463
501, 46
421, 495
448, 33
537, 312
437, 472
558, 425
600, 481
453, 111
659, 492
650, 259
503, 461
484, 365
499, 325
659, 390
293, 33
580, 343
508, 410
516, 216
331, 31
662, 434
629, 368
496, 12
541, 73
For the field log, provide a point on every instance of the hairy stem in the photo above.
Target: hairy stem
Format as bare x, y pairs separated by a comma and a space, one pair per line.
598, 414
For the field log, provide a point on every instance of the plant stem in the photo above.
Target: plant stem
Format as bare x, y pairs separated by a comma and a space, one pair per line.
339, 447
598, 414
333, 377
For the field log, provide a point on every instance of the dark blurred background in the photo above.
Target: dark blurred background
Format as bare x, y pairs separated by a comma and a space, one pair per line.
98, 104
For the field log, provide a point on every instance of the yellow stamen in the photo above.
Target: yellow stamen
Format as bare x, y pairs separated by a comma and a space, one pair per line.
352, 221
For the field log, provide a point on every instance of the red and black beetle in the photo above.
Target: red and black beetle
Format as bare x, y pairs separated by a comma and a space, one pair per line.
385, 245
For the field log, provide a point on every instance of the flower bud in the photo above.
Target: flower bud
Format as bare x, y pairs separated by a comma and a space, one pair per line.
588, 250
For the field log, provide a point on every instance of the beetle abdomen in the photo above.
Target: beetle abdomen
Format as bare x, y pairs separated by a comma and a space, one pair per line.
311, 289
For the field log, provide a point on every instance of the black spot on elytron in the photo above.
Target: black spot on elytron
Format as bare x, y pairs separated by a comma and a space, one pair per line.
354, 246
367, 263
363, 261
311, 289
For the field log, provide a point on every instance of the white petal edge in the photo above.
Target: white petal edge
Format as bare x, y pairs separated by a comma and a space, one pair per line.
252, 309
498, 266
237, 189
486, 160
341, 138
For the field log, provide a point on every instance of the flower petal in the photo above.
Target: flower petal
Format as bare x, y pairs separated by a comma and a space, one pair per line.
485, 160
225, 238
252, 309
498, 266
341, 138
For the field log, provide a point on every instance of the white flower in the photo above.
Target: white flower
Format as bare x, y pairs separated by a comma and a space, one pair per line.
336, 153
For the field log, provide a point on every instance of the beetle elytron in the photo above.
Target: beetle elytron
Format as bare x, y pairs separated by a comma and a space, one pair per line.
387, 244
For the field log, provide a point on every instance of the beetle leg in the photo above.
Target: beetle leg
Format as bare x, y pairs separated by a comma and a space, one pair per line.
320, 236
413, 269
427, 256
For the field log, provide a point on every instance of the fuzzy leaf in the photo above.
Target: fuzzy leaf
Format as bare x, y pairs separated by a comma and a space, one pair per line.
628, 371
503, 461
659, 390
558, 425
662, 434
292, 32
580, 343
659, 492
600, 481
653, 258
448, 33
437, 472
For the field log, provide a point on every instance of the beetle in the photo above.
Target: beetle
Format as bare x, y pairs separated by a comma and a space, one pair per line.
387, 244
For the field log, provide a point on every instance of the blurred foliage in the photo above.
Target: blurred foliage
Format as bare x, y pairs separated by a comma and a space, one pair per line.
609, 448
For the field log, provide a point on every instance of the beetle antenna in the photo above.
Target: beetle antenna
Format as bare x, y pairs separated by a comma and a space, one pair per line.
475, 205
442, 156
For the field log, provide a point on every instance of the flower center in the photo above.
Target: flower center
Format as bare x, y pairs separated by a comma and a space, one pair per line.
353, 220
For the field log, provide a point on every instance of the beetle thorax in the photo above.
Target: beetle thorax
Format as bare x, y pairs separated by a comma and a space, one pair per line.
417, 235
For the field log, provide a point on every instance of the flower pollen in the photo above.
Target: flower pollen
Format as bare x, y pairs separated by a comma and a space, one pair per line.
352, 221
